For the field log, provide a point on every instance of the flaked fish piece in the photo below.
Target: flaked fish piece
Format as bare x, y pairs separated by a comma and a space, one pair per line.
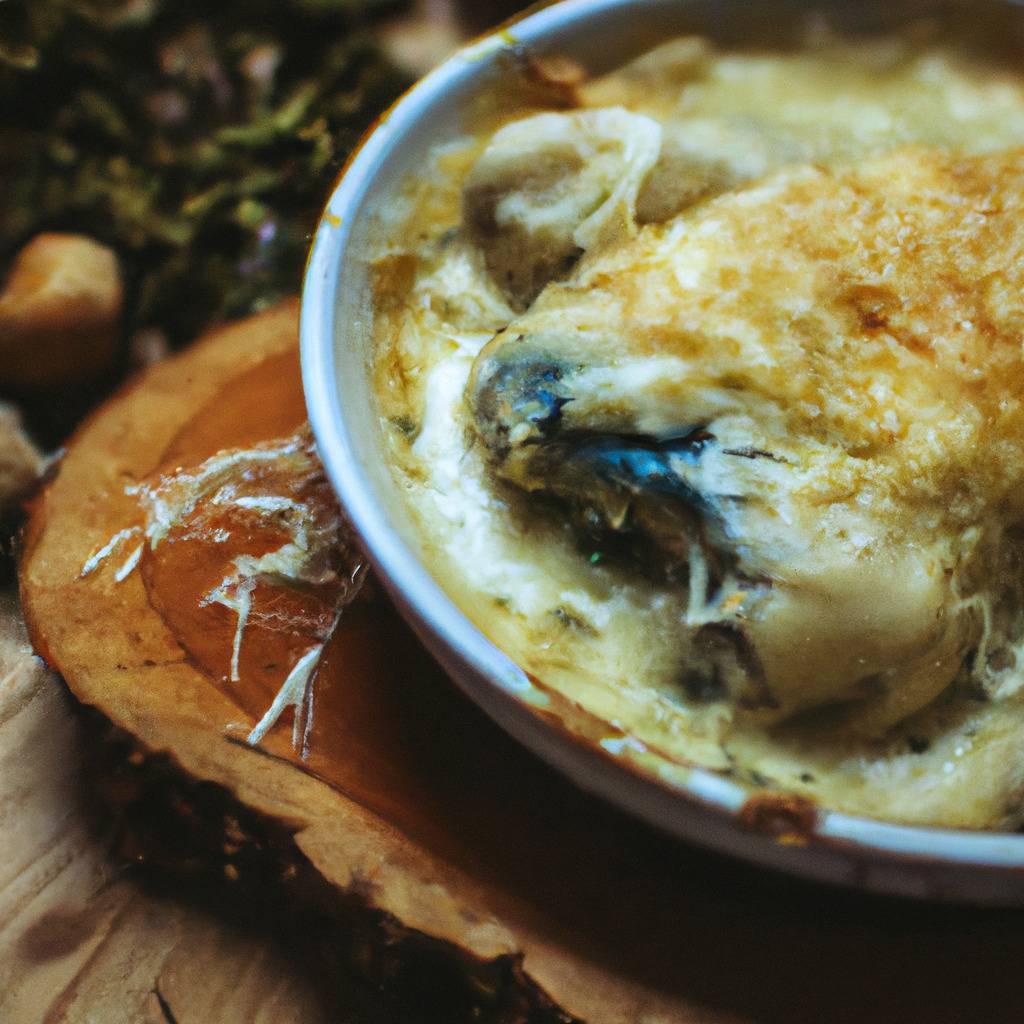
549, 187
813, 385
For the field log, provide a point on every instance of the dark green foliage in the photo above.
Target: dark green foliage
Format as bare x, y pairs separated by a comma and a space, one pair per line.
198, 139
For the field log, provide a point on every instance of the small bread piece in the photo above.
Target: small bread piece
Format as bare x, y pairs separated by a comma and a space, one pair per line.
20, 460
59, 312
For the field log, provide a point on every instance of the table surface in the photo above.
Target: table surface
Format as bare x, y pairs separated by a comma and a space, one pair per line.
82, 938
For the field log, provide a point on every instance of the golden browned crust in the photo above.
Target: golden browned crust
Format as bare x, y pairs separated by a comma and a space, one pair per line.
878, 309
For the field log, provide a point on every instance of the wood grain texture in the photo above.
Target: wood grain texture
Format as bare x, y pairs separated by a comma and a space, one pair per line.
80, 941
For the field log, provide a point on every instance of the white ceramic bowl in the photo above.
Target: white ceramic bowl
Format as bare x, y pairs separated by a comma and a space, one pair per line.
692, 804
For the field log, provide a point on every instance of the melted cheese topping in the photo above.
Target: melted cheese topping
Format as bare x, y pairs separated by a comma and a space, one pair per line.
862, 333
855, 314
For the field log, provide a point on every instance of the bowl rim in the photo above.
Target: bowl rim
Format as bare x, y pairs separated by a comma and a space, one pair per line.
439, 621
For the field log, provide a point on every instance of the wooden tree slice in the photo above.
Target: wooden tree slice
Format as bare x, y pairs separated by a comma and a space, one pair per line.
409, 797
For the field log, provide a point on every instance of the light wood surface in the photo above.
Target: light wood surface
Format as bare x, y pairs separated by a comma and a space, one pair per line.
81, 942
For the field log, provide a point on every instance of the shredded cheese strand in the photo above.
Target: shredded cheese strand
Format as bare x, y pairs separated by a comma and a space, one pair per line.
291, 694
129, 564
97, 558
